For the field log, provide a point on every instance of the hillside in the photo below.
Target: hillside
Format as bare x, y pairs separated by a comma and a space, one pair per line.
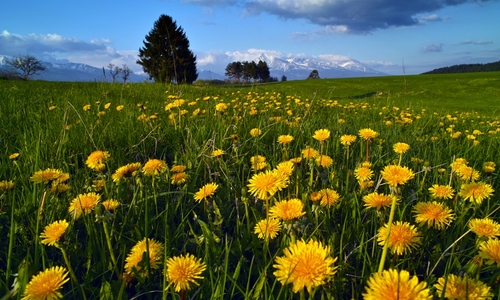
467, 68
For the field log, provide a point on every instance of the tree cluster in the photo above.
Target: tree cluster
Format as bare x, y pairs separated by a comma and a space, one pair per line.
467, 68
114, 71
248, 71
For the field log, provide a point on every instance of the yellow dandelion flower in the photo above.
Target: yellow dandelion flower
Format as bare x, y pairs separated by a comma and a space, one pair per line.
258, 162
6, 185
217, 153
403, 237
267, 228
178, 168
86, 107
111, 204
126, 171
367, 134
401, 148
179, 178
287, 209
378, 201
139, 250
285, 168
476, 191
14, 156
324, 160
46, 176
46, 284
441, 191
396, 175
53, 232
206, 191
285, 139
467, 173
296, 160
221, 107
457, 287
347, 139
433, 214
457, 163
396, 285
309, 152
490, 250
328, 197
184, 270
489, 167
83, 203
96, 160
255, 132
321, 135
119, 108
305, 265
363, 185
485, 227
59, 188
154, 167
363, 174
264, 185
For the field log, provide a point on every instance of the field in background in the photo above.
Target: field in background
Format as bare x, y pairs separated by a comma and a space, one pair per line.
217, 134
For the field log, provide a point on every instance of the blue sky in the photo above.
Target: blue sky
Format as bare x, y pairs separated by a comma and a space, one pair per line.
382, 34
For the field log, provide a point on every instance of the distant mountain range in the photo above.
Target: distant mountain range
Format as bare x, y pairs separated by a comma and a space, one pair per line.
300, 67
294, 68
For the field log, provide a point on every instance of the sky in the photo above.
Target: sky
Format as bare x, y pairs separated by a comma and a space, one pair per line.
392, 36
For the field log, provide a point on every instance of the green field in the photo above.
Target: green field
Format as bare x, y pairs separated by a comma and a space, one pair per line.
225, 172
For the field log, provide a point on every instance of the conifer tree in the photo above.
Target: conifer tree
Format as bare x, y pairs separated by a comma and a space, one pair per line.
166, 56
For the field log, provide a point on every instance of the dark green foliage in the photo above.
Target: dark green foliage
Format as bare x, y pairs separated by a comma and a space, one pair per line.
166, 56
313, 75
491, 67
248, 71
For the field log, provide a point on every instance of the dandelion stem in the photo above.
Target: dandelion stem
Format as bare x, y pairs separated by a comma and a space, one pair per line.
71, 272
386, 243
110, 248
11, 242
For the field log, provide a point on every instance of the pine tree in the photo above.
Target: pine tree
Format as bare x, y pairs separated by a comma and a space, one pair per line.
166, 56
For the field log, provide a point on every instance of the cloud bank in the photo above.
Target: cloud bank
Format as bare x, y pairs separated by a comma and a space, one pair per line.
55, 48
355, 16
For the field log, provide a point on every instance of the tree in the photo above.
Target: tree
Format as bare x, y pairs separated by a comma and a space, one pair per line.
263, 73
166, 56
313, 75
114, 71
125, 73
249, 70
234, 70
28, 65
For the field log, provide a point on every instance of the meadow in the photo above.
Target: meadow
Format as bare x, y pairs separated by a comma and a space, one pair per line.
361, 188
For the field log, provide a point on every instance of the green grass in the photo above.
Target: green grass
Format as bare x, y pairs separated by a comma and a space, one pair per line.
46, 123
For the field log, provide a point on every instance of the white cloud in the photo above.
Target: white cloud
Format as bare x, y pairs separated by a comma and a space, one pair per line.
433, 48
429, 18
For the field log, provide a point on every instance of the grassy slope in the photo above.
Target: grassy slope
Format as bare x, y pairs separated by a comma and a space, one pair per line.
479, 92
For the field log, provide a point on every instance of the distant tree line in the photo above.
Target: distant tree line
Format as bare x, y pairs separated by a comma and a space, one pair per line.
249, 71
467, 68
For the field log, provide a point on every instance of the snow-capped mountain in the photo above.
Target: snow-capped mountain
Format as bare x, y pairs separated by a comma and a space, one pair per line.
326, 65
